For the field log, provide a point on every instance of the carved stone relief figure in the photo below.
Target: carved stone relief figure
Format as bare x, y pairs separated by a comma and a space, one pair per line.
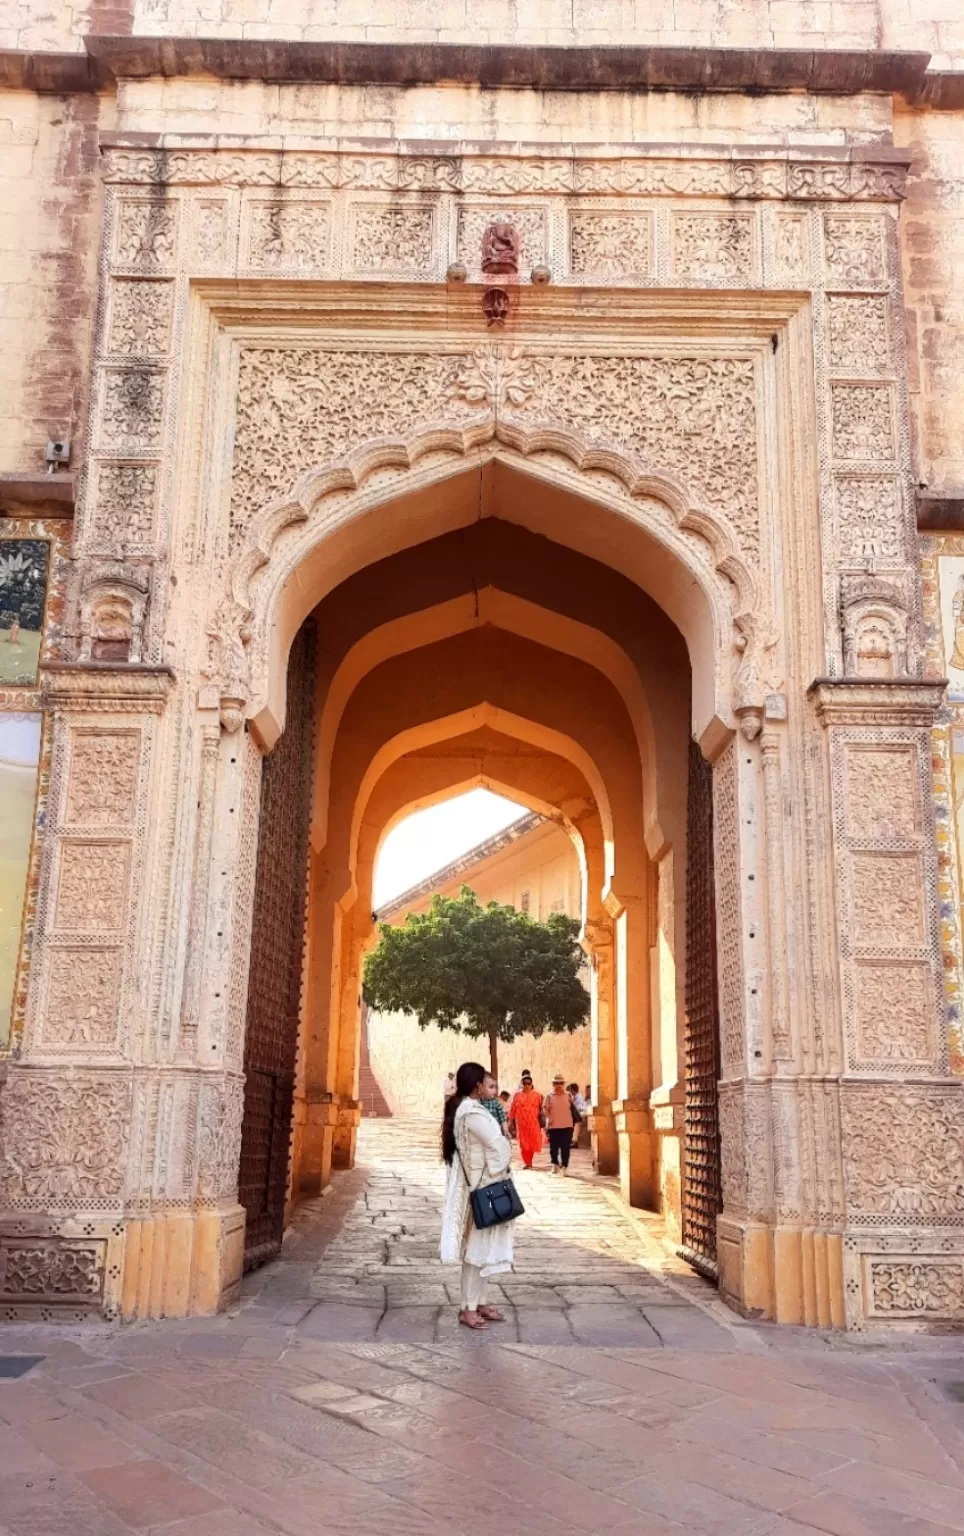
501, 248
227, 666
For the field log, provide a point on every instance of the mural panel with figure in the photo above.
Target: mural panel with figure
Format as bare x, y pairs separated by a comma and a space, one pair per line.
24, 566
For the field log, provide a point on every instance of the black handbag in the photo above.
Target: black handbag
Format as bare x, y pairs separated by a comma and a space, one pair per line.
493, 1204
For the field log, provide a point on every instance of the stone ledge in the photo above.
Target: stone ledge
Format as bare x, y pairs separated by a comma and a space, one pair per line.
34, 491
940, 514
829, 71
907, 701
105, 687
527, 67
51, 74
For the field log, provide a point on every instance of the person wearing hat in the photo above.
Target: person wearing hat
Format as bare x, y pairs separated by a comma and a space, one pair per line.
525, 1113
558, 1114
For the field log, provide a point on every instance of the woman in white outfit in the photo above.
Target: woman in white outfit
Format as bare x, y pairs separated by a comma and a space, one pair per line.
477, 1153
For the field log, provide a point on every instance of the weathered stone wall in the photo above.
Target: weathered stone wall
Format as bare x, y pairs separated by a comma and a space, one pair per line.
51, 208
862, 24
448, 112
933, 253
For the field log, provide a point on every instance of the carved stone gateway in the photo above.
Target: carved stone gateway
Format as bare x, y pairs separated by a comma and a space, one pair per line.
716, 375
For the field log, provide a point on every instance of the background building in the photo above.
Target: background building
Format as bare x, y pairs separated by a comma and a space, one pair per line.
531, 866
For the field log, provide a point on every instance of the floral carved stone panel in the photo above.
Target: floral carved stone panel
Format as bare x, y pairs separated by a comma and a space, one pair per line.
131, 409
854, 249
713, 248
393, 239
887, 899
863, 422
65, 1140
915, 1287
611, 244
792, 249
903, 1154
870, 520
894, 1006
140, 316
220, 1112
93, 887
211, 233
145, 233
882, 797
859, 338
102, 782
124, 505
80, 1004
299, 406
694, 418
31, 1269
292, 235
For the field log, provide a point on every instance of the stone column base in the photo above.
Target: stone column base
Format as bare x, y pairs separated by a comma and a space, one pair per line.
637, 1164
316, 1121
784, 1274
345, 1133
605, 1142
668, 1112
182, 1263
176, 1263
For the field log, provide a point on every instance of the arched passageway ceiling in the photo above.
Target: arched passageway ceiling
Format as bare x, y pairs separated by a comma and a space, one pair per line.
504, 611
535, 778
637, 536
546, 695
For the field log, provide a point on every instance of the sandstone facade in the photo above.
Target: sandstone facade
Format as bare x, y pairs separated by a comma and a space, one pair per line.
545, 533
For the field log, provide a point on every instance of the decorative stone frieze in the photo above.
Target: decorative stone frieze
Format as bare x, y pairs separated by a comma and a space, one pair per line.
689, 172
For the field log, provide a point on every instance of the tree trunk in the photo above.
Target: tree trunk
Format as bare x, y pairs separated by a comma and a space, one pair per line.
494, 1053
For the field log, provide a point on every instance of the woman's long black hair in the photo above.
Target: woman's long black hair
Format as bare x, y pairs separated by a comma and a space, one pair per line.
468, 1077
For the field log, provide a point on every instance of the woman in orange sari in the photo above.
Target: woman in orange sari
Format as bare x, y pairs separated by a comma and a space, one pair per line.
525, 1112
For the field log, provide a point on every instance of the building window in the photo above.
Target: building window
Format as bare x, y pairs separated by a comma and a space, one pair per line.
524, 902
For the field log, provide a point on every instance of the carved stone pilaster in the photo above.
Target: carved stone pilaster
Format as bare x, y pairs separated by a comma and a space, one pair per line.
200, 891
770, 753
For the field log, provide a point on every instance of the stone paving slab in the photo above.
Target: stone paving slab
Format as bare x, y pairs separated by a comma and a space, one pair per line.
342, 1399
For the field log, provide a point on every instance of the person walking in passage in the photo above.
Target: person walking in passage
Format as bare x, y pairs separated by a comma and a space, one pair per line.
525, 1113
477, 1153
559, 1123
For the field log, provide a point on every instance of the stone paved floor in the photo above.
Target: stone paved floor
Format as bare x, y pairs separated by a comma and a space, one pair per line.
342, 1400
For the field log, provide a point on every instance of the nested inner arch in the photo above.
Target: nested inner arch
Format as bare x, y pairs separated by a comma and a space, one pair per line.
492, 654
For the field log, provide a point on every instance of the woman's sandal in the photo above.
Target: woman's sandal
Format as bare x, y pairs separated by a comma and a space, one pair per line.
473, 1320
492, 1314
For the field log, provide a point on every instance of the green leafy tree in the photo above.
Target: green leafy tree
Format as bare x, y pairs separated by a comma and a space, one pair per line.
488, 970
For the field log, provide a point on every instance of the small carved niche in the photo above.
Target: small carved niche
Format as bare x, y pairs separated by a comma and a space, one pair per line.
873, 616
112, 610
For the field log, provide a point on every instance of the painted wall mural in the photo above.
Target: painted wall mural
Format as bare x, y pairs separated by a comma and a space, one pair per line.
24, 567
942, 569
19, 764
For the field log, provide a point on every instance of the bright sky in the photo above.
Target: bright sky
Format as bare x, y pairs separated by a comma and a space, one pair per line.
428, 840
